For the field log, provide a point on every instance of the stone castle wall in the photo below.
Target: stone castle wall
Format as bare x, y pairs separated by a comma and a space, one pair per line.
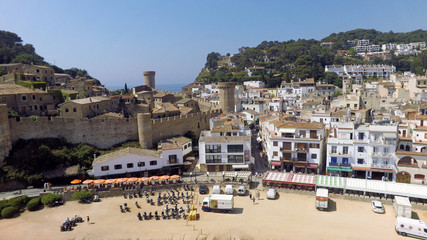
5, 139
102, 133
179, 125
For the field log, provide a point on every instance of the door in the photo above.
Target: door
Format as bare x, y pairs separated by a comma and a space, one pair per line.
23, 110
403, 177
333, 159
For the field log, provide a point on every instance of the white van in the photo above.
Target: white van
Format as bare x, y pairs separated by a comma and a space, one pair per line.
229, 190
411, 227
216, 189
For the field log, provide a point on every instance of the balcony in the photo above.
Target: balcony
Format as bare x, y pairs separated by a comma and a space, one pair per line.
289, 160
287, 150
407, 165
382, 166
339, 154
424, 165
343, 165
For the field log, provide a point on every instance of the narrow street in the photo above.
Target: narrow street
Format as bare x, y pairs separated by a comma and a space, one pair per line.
260, 165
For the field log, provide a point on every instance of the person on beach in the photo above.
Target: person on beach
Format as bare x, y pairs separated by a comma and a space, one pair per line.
87, 219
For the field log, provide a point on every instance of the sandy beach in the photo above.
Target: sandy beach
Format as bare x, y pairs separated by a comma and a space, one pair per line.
290, 216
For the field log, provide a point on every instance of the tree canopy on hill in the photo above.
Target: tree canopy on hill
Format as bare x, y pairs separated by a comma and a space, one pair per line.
283, 61
13, 50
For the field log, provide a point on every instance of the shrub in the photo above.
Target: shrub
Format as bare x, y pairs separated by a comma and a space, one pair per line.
33, 204
9, 212
50, 198
18, 202
81, 195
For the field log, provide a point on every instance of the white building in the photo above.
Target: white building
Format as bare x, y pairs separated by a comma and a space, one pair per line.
388, 47
254, 84
363, 42
381, 71
293, 146
226, 147
256, 105
135, 161
362, 150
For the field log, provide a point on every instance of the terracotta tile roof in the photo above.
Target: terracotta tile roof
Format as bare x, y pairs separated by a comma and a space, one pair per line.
9, 89
123, 152
299, 125
175, 143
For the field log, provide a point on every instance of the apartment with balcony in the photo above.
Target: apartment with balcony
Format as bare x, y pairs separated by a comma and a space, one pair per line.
226, 147
293, 146
362, 150
411, 152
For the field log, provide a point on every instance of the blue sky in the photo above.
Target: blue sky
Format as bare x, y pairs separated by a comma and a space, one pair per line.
118, 40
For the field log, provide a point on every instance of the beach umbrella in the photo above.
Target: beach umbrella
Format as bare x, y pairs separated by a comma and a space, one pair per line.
133, 179
174, 176
110, 181
76, 181
153, 178
99, 181
164, 177
119, 180
143, 179
88, 181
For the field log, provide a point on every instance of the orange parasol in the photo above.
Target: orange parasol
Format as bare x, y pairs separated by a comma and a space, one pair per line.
119, 180
110, 181
99, 181
143, 179
89, 181
133, 179
154, 178
76, 181
174, 176
164, 177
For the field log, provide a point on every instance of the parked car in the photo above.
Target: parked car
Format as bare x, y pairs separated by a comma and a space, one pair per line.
271, 193
203, 189
377, 207
241, 191
216, 189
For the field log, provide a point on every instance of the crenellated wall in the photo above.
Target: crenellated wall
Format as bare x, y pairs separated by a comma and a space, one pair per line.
102, 133
179, 125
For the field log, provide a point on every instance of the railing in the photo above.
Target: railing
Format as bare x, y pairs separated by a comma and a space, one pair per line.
382, 166
407, 164
344, 165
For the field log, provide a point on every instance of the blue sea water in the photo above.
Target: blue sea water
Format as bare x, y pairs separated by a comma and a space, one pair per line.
176, 87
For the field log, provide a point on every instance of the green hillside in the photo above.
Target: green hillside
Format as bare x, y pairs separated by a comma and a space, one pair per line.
283, 61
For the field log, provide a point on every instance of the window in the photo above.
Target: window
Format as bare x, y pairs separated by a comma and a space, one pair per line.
35, 107
213, 148
34, 97
334, 149
173, 159
141, 164
360, 149
66, 110
74, 110
361, 136
344, 150
234, 148
213, 158
105, 168
314, 145
118, 166
275, 143
345, 160
313, 156
129, 165
360, 161
275, 154
235, 158
3, 99
153, 163
333, 159
41, 99
24, 98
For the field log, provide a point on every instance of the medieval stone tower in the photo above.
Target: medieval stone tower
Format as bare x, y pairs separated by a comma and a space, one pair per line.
5, 139
145, 132
226, 96
149, 79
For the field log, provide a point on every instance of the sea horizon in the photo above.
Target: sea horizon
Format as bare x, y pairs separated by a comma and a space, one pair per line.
171, 87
